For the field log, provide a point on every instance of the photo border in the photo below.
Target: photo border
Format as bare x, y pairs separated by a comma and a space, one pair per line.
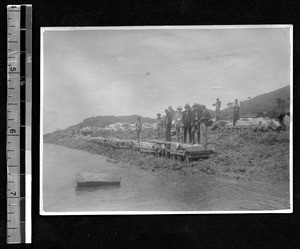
44, 29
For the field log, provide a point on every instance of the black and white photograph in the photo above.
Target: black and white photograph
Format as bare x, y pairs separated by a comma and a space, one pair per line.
166, 120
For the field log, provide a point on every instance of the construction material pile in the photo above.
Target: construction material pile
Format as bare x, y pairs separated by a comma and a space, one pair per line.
156, 147
112, 142
252, 123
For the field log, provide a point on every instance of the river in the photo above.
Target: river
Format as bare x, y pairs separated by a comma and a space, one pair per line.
142, 190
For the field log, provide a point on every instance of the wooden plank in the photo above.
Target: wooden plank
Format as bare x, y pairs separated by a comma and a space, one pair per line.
90, 179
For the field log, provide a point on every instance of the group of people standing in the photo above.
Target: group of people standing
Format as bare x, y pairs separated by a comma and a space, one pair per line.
191, 123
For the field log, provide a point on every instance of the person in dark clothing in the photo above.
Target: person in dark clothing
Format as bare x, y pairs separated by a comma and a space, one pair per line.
187, 119
236, 112
281, 112
195, 123
178, 124
204, 119
159, 125
168, 123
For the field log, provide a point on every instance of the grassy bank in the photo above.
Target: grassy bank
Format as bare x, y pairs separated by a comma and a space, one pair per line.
239, 156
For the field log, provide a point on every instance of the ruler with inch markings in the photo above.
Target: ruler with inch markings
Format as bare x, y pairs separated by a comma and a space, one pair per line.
19, 99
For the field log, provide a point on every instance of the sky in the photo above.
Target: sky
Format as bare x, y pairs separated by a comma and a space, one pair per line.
88, 73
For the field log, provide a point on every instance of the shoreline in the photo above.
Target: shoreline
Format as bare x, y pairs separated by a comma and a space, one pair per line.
239, 157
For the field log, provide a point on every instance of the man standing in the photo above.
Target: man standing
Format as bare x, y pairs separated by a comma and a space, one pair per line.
236, 112
281, 112
218, 108
138, 128
204, 119
168, 123
187, 118
159, 124
179, 124
195, 123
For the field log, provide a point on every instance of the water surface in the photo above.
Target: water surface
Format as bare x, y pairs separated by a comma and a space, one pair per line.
142, 190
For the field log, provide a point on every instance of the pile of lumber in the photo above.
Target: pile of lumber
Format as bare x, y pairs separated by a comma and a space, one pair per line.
181, 151
256, 124
146, 147
112, 142
156, 147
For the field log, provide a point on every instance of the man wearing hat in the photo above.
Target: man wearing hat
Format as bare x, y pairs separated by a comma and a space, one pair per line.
195, 123
218, 108
179, 124
159, 125
236, 112
187, 119
168, 122
204, 119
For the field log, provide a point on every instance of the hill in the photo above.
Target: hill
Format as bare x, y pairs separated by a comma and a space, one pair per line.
265, 103
102, 121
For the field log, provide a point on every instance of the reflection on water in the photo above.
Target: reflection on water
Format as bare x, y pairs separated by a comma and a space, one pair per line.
81, 190
147, 191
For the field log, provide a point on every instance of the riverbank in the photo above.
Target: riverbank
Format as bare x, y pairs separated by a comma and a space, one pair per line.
143, 190
240, 156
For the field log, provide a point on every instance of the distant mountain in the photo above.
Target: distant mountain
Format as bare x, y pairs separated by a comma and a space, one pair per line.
265, 103
102, 121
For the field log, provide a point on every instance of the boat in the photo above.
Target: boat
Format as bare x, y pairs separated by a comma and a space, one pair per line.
91, 179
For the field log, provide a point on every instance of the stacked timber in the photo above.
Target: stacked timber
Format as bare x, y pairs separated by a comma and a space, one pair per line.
275, 125
156, 147
111, 142
147, 147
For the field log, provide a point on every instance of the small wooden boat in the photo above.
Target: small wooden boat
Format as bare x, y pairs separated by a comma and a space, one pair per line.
90, 179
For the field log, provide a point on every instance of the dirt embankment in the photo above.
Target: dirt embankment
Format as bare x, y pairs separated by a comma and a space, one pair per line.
243, 155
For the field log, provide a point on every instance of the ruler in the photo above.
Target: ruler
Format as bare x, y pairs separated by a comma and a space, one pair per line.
19, 99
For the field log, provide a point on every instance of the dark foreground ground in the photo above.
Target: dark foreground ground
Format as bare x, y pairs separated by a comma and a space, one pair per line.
244, 156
